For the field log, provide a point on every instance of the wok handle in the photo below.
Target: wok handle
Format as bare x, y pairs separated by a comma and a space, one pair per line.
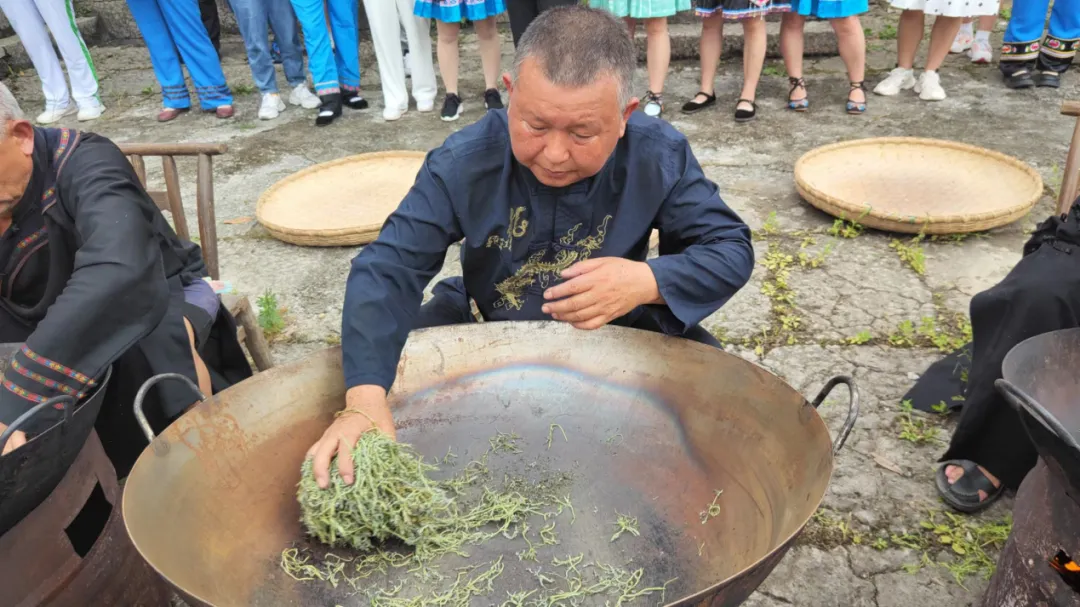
853, 407
69, 404
141, 417
1022, 402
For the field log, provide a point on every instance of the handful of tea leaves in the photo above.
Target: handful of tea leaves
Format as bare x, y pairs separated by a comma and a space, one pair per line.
391, 498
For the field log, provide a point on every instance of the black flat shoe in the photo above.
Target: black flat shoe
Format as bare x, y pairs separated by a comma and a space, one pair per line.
330, 110
693, 106
356, 102
963, 495
1050, 80
1019, 80
742, 115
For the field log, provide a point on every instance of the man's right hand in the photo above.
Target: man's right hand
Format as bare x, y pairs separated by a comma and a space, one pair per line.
18, 439
363, 405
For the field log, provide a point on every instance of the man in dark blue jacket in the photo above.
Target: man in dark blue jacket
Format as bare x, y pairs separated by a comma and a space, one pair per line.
555, 199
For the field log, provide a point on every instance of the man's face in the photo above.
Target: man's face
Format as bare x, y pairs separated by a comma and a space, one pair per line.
16, 163
563, 135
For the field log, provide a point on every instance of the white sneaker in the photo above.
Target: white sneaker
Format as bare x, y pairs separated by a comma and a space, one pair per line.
91, 113
51, 115
425, 106
899, 79
392, 114
271, 106
981, 52
408, 65
962, 42
929, 87
302, 96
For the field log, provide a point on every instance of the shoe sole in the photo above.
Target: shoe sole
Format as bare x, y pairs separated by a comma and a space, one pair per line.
461, 110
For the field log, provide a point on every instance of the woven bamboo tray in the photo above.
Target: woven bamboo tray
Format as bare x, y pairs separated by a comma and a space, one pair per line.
339, 203
906, 184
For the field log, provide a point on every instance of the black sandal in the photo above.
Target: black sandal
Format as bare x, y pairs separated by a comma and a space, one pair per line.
1049, 79
745, 115
797, 105
1020, 79
963, 495
856, 107
693, 106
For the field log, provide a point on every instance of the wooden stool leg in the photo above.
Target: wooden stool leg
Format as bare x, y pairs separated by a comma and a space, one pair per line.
254, 339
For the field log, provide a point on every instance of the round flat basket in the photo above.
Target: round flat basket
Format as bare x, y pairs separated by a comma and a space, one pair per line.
911, 185
343, 202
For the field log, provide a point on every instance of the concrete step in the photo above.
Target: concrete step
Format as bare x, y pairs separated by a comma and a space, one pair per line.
819, 40
13, 53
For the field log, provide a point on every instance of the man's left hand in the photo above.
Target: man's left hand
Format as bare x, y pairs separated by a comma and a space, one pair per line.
597, 291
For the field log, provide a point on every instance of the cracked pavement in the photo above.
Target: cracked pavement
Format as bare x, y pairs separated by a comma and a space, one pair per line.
881, 484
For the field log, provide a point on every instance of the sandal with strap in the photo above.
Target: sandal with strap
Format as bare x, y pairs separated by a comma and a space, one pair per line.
856, 107
745, 115
963, 495
797, 105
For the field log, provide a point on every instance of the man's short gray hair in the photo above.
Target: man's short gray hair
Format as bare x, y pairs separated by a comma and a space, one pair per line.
576, 45
9, 108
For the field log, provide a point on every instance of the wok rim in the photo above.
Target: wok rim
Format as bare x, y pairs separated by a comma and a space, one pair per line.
710, 591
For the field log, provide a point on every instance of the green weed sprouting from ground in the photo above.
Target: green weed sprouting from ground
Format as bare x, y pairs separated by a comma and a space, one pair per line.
771, 225
1056, 177
812, 262
915, 428
843, 228
945, 334
146, 92
888, 32
243, 89
270, 319
860, 338
911, 253
1005, 13
774, 70
835, 530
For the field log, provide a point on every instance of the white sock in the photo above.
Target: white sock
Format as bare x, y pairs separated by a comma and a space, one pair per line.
966, 28
982, 37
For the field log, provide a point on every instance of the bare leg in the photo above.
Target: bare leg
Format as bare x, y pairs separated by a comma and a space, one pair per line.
709, 47
201, 372
791, 47
658, 53
489, 50
908, 38
448, 55
987, 23
941, 38
852, 40
753, 57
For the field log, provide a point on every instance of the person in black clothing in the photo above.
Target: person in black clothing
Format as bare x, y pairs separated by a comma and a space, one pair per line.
93, 276
208, 10
990, 451
522, 13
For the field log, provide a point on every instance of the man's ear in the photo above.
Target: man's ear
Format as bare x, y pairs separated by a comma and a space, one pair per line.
23, 132
630, 109
508, 82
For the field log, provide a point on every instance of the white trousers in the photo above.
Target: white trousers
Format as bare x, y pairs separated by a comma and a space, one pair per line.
28, 18
386, 18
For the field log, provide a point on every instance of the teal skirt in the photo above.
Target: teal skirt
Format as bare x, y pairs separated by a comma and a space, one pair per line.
642, 9
830, 9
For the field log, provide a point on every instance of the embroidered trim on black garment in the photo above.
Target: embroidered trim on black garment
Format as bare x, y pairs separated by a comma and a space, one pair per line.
1060, 48
1020, 51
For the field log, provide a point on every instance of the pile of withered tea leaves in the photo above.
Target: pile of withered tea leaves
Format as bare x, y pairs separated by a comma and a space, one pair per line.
395, 501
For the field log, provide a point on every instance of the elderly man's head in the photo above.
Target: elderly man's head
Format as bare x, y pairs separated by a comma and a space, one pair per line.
16, 151
570, 93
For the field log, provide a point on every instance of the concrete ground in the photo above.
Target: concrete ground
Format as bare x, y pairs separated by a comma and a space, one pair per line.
853, 553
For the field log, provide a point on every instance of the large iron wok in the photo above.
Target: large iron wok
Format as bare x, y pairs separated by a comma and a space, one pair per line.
655, 425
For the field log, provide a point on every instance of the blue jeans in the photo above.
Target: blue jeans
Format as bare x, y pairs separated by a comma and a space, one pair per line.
252, 17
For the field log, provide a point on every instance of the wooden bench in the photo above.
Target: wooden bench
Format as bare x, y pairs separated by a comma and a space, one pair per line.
248, 331
1070, 180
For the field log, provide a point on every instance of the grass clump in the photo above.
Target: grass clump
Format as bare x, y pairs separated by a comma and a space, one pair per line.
270, 319
911, 253
973, 544
916, 428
